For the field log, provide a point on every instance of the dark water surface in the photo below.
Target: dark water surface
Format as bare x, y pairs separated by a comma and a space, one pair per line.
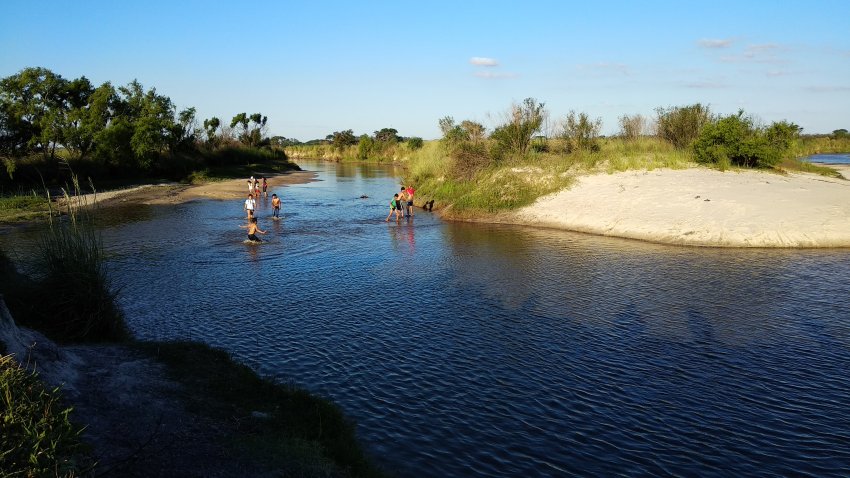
477, 350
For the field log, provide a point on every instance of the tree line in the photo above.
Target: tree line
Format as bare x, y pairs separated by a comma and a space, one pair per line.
121, 129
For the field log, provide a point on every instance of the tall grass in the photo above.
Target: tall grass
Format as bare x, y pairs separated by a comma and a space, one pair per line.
36, 436
69, 297
810, 145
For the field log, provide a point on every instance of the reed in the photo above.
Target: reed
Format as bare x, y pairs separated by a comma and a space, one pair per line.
68, 295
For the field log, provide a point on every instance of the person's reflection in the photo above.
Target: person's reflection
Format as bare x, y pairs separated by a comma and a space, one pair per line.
253, 251
411, 239
277, 226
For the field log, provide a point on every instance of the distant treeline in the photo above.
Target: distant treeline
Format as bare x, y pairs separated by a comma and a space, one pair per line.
48, 122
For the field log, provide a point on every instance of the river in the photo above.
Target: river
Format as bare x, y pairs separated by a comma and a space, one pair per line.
484, 351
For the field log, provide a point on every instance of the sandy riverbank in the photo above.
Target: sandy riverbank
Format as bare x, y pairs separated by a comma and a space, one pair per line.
175, 193
702, 207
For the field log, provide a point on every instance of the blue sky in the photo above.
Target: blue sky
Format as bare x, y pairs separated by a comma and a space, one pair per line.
318, 67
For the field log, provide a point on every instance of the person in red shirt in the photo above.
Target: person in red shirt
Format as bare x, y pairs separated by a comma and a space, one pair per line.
410, 192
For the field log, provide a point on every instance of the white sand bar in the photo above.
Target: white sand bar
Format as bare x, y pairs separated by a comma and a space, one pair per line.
703, 207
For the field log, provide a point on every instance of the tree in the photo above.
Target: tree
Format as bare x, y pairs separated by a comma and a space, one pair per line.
523, 122
85, 121
253, 128
840, 133
387, 135
452, 133
183, 132
210, 127
341, 139
282, 142
364, 147
33, 104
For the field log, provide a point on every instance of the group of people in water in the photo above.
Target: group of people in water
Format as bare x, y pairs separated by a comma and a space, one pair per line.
401, 205
250, 207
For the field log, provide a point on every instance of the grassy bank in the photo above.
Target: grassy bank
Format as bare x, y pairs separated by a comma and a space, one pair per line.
374, 151
515, 182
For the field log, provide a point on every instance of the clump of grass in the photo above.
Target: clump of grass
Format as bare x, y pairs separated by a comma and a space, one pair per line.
304, 434
69, 296
36, 436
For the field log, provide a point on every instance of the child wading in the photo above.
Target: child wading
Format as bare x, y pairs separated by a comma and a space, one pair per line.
275, 206
394, 208
250, 205
253, 229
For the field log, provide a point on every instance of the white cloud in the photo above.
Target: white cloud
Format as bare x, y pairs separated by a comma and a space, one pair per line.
767, 53
714, 43
482, 61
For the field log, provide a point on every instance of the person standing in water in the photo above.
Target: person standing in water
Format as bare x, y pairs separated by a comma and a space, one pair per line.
394, 205
410, 192
275, 206
253, 229
265, 187
402, 199
250, 205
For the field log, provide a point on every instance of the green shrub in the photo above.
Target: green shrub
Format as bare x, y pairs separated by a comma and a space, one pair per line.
524, 121
581, 133
36, 436
468, 159
682, 125
735, 140
632, 127
415, 143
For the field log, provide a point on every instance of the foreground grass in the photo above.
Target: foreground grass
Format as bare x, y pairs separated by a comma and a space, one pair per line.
300, 433
36, 436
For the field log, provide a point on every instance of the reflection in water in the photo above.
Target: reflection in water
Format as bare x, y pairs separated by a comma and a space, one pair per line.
486, 350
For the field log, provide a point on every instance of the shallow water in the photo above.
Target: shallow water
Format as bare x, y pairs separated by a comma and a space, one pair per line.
829, 158
480, 350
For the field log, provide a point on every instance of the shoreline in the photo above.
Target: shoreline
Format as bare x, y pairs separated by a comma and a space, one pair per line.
701, 207
176, 193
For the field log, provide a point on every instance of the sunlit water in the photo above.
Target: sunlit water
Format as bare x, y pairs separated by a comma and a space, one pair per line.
476, 350
829, 158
